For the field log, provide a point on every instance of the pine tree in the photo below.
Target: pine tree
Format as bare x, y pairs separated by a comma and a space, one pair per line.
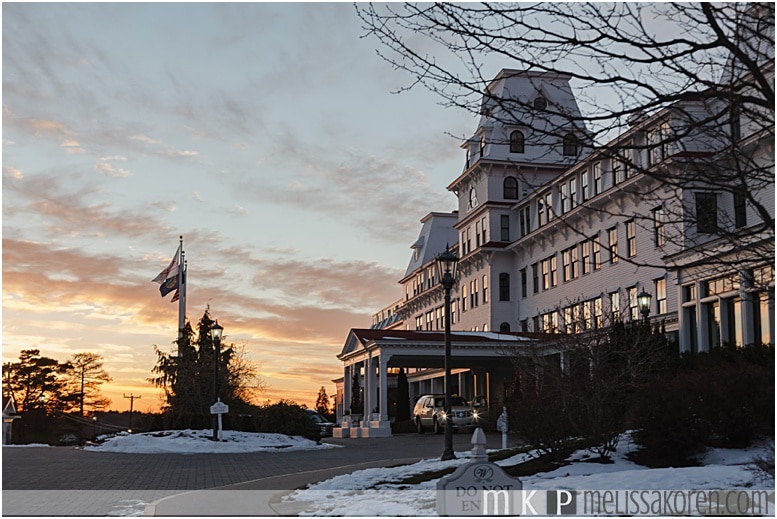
189, 381
322, 404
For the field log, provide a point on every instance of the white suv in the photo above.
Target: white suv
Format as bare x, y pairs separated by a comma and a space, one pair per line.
429, 412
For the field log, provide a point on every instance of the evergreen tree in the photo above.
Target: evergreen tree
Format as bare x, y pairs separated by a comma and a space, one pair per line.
35, 382
322, 404
189, 379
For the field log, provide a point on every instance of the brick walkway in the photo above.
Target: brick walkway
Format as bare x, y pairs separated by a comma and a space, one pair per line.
67, 481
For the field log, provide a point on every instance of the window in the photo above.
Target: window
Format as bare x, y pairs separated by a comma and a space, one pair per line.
586, 257
419, 322
598, 313
516, 142
573, 192
504, 285
659, 237
596, 250
540, 212
524, 215
485, 289
584, 184
570, 145
588, 317
617, 171
658, 143
615, 306
483, 231
548, 206
631, 238
569, 259
504, 227
740, 208
523, 282
553, 271
633, 306
454, 311
660, 295
597, 173
464, 297
540, 103
439, 321
706, 212
545, 274
474, 295
477, 234
612, 235
430, 320
482, 146
510, 188
536, 277
566, 203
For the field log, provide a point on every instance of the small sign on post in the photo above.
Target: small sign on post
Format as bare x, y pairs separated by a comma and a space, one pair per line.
219, 408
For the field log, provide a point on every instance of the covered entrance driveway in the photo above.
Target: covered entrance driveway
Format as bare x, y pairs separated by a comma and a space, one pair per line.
480, 364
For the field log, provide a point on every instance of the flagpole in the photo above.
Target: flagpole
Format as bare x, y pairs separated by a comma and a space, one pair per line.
182, 292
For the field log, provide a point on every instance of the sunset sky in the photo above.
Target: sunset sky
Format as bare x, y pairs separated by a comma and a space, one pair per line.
266, 134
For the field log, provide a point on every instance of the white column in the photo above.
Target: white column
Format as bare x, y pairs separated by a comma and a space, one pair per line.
347, 381
373, 401
383, 405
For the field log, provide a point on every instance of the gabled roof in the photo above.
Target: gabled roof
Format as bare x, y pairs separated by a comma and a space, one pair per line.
359, 338
9, 408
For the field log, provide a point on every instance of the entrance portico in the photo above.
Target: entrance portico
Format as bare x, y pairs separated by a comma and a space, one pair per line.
480, 363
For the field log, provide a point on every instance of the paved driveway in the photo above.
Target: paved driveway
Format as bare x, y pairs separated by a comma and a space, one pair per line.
69, 481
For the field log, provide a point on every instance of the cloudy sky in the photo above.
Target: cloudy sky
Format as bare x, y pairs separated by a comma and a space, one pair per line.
266, 134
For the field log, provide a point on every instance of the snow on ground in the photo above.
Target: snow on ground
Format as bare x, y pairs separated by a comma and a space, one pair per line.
379, 491
190, 441
376, 492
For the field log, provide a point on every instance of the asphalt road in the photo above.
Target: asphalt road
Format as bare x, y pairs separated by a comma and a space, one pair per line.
70, 481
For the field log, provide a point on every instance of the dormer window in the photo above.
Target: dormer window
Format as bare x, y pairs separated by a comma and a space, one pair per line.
570, 145
510, 188
516, 142
482, 146
540, 103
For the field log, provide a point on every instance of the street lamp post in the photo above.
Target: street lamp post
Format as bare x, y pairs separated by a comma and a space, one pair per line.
643, 302
446, 268
215, 334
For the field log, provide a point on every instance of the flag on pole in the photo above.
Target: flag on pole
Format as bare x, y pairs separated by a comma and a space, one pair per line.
170, 271
168, 286
176, 296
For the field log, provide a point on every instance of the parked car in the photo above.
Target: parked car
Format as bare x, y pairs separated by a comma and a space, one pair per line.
321, 424
429, 413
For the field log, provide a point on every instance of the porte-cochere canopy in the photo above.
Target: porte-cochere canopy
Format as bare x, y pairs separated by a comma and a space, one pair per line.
370, 353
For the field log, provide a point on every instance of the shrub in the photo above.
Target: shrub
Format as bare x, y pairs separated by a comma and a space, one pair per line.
285, 417
724, 398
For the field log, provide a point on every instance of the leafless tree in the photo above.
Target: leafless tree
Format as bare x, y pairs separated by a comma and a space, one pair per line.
708, 68
581, 385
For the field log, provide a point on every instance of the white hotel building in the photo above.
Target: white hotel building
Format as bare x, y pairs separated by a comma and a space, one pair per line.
556, 235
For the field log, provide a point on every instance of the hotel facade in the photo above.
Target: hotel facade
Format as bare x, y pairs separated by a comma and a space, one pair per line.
557, 236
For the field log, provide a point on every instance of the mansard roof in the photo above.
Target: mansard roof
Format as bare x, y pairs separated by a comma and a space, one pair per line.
437, 233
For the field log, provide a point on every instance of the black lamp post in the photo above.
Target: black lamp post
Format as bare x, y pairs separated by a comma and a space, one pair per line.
446, 267
215, 334
643, 302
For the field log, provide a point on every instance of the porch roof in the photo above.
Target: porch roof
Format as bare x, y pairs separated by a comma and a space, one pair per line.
424, 349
